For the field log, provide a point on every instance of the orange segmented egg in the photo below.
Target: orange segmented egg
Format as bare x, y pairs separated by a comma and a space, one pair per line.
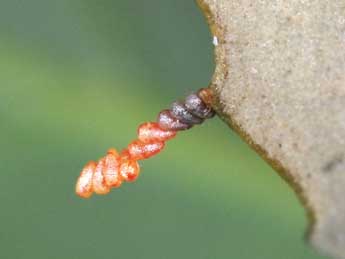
151, 132
139, 150
111, 172
98, 181
129, 169
83, 187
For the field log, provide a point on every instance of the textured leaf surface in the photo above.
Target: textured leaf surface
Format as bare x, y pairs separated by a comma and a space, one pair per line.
280, 83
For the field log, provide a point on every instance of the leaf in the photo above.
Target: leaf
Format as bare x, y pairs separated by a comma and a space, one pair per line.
280, 83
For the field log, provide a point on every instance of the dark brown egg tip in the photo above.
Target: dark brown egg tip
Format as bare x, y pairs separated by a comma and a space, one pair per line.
179, 111
168, 122
196, 106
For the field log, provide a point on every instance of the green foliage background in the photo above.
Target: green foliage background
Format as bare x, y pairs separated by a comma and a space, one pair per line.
77, 77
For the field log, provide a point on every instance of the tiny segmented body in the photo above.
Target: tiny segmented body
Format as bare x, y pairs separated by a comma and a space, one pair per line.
115, 168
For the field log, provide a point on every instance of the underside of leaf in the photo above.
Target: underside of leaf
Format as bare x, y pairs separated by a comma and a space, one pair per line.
279, 82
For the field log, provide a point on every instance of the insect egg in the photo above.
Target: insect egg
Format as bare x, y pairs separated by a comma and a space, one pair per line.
196, 106
129, 169
152, 132
111, 170
83, 187
139, 150
168, 122
180, 112
98, 181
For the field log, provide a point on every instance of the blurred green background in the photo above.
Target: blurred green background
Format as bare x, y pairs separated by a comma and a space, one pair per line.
78, 77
